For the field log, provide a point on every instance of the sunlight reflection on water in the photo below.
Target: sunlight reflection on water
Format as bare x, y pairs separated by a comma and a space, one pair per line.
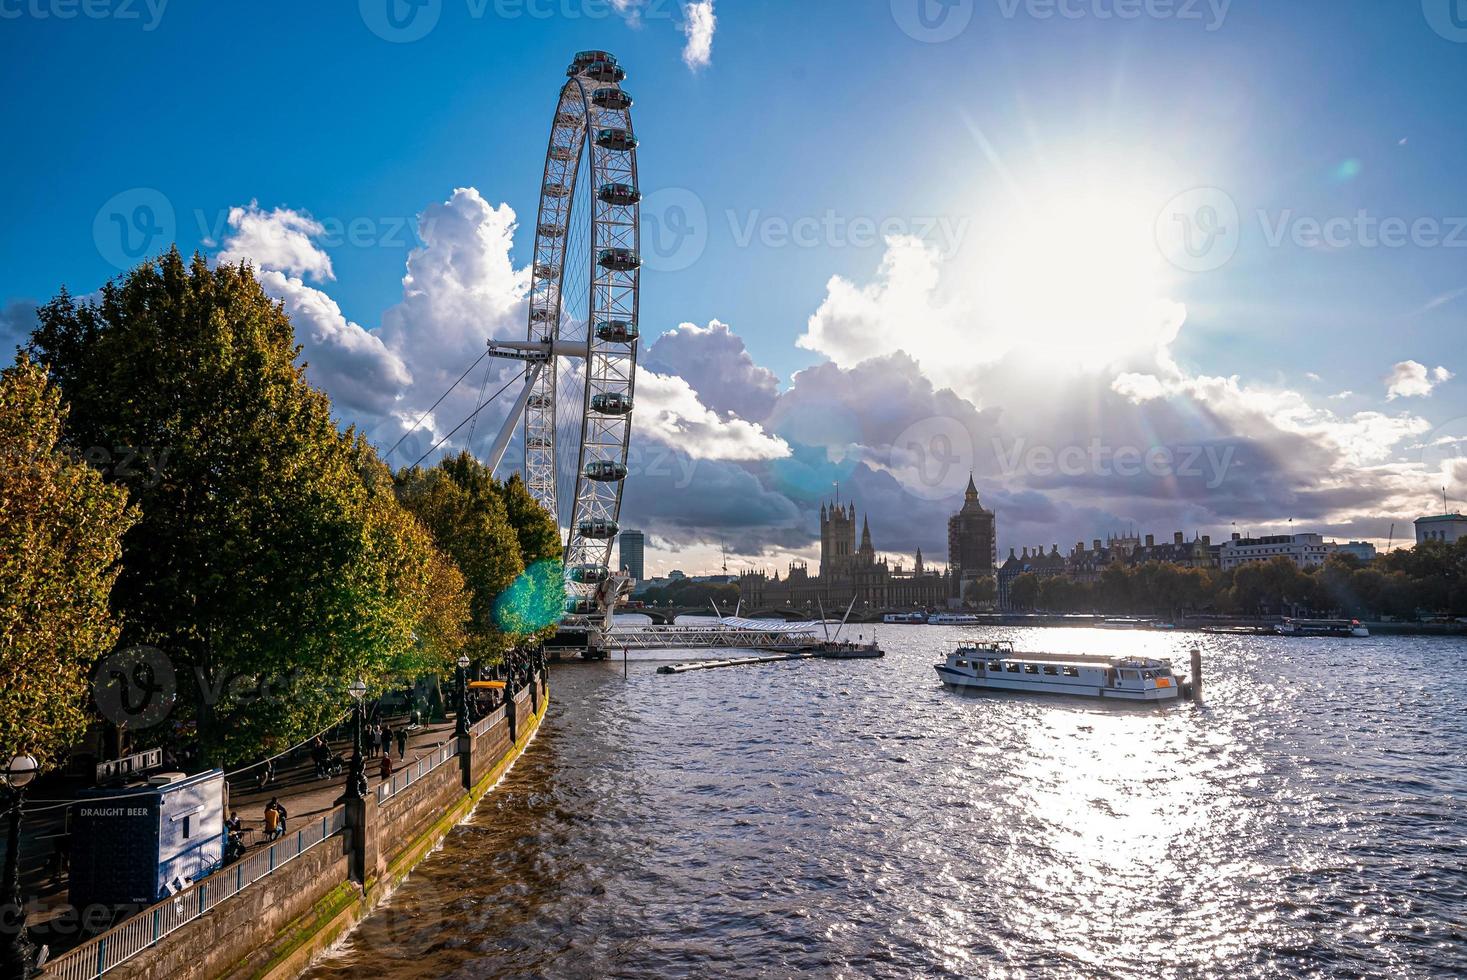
858, 818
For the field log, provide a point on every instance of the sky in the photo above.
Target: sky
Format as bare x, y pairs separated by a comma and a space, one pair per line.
1161, 264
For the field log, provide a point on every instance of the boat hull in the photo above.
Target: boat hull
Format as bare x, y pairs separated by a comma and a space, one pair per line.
1075, 688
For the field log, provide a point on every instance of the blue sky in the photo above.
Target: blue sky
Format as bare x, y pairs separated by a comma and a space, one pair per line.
834, 114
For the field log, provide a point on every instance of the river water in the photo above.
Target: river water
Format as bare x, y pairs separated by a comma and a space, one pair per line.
857, 819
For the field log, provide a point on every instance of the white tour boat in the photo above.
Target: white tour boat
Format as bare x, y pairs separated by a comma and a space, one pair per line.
905, 619
953, 619
996, 666
1322, 627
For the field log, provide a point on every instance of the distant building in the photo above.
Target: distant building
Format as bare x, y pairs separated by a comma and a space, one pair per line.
1442, 527
1363, 550
972, 546
1306, 550
631, 545
846, 573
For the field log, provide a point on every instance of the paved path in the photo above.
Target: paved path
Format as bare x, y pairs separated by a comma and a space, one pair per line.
295, 785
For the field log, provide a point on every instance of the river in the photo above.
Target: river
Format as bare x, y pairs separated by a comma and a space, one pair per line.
857, 819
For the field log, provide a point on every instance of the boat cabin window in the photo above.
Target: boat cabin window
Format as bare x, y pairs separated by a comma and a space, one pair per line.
1147, 674
1031, 668
962, 663
1129, 675
994, 665
1072, 672
1050, 669
1013, 668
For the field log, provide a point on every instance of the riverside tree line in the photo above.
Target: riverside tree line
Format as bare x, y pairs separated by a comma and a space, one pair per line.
1409, 583
268, 556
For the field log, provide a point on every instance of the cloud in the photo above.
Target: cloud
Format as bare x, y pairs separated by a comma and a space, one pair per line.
280, 239
668, 410
714, 361
351, 362
698, 27
1412, 379
17, 320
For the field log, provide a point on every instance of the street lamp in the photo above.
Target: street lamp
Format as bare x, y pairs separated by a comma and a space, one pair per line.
18, 954
461, 725
356, 781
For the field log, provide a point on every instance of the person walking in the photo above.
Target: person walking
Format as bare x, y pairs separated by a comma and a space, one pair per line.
386, 769
274, 819
402, 743
386, 739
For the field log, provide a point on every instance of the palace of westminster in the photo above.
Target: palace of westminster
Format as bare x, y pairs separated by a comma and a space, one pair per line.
849, 572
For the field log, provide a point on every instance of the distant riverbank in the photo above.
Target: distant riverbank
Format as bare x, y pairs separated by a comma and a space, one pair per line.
1190, 623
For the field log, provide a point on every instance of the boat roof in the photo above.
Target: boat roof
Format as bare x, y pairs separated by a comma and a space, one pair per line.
1002, 650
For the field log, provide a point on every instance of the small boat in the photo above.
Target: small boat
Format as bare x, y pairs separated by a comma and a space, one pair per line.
848, 650
1240, 630
1322, 627
1124, 623
953, 619
996, 666
905, 619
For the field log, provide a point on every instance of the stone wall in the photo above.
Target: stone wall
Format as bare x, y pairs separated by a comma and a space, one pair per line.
275, 926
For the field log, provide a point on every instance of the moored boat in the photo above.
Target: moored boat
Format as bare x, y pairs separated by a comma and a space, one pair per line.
953, 619
996, 666
905, 619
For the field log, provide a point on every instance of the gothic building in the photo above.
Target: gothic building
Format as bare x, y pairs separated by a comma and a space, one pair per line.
972, 546
847, 572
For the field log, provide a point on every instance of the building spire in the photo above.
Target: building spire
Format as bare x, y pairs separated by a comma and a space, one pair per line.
866, 535
972, 492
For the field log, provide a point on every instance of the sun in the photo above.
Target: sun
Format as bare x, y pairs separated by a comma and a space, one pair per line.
1072, 273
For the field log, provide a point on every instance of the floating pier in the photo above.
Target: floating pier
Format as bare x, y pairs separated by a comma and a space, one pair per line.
684, 668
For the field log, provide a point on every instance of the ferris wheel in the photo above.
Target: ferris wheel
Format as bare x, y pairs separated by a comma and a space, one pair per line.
580, 349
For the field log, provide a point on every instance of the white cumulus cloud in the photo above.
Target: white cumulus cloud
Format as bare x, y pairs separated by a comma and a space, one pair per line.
698, 26
668, 410
1412, 379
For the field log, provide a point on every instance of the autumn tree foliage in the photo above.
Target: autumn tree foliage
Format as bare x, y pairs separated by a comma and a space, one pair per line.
61, 527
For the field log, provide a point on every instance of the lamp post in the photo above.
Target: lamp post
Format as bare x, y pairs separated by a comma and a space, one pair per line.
461, 725
356, 780
17, 954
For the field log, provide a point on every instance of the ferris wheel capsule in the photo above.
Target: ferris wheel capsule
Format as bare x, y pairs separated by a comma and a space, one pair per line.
611, 403
588, 574
616, 331
605, 471
605, 71
597, 527
619, 259
611, 98
620, 195
616, 139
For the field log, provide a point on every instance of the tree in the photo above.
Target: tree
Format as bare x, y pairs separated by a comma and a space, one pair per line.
463, 507
262, 566
1024, 591
61, 527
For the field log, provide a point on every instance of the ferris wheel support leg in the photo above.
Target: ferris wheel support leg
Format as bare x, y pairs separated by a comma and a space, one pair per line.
512, 421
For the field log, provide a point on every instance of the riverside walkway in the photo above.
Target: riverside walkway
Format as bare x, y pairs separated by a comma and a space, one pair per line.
53, 921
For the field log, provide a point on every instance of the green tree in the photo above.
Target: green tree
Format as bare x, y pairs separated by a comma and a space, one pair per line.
463, 507
260, 565
1024, 591
60, 531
